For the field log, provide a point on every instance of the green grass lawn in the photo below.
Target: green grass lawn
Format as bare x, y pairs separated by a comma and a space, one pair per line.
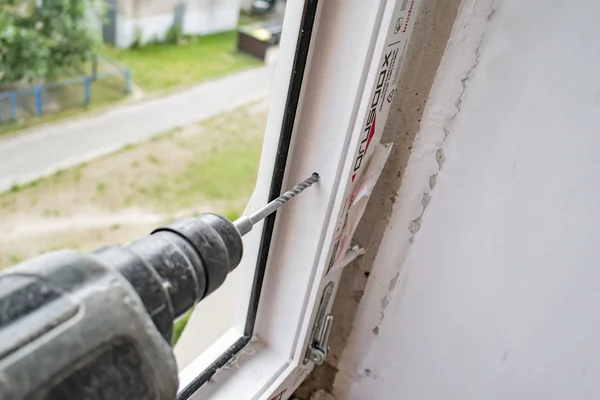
206, 167
159, 66
60, 102
155, 67
102, 95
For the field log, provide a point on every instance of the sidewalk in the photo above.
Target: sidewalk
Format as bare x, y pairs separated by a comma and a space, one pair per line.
45, 150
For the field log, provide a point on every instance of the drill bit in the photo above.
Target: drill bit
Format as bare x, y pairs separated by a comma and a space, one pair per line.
245, 224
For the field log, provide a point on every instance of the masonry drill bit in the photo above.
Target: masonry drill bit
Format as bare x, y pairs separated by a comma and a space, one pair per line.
245, 224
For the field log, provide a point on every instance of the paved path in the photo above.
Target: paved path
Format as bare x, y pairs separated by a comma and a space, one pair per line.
47, 149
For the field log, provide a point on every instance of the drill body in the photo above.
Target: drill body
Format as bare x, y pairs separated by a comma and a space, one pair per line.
98, 326
63, 334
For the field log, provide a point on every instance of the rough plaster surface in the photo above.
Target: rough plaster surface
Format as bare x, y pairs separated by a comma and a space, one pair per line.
424, 53
320, 380
386, 284
322, 395
427, 159
432, 28
486, 283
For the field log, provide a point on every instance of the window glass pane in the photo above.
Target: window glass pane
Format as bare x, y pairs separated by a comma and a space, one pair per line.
154, 111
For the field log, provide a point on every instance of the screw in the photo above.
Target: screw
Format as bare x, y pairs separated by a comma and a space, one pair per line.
317, 356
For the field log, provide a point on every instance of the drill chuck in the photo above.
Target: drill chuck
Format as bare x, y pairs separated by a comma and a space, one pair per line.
178, 265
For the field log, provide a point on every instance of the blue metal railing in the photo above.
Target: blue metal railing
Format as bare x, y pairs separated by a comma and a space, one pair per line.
38, 91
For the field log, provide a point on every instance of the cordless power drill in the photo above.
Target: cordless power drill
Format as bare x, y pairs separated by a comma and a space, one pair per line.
98, 326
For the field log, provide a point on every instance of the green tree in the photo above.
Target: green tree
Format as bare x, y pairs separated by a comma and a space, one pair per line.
38, 38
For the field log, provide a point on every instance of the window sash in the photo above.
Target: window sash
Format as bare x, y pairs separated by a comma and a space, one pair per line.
349, 42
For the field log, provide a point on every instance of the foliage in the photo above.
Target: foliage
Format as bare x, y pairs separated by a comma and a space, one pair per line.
179, 325
137, 37
38, 38
174, 34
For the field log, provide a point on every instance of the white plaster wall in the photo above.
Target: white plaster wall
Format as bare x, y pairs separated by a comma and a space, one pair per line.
151, 28
202, 17
209, 16
487, 283
204, 23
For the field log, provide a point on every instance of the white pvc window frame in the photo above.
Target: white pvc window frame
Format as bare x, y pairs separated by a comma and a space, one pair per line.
349, 42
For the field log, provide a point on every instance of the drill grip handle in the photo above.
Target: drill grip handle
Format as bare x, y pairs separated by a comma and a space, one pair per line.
98, 326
